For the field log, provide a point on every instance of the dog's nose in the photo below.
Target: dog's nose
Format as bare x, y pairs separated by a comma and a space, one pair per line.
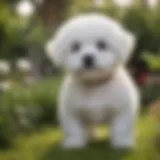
88, 61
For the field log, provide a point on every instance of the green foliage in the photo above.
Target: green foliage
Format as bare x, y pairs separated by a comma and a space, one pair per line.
10, 32
41, 94
150, 93
28, 109
5, 132
17, 33
36, 35
152, 60
144, 24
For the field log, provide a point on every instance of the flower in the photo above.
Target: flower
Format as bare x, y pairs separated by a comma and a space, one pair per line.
25, 8
5, 86
24, 65
4, 67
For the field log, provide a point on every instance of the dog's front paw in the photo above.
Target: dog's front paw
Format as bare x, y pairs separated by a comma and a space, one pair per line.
74, 144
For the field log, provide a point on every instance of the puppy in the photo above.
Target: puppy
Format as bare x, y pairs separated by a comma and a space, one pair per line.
93, 50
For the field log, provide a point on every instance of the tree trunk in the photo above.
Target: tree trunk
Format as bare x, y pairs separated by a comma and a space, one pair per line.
52, 13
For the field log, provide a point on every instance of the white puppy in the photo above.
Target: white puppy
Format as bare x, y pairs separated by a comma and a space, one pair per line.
93, 50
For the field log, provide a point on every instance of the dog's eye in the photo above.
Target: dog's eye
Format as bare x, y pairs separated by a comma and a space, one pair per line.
75, 47
101, 45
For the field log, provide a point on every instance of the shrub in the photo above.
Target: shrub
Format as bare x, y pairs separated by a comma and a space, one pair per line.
150, 93
152, 60
27, 109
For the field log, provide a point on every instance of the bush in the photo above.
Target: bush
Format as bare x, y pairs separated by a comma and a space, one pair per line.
150, 93
5, 133
28, 109
152, 60
144, 24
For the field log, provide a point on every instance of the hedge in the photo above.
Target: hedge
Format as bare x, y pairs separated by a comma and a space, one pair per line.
25, 109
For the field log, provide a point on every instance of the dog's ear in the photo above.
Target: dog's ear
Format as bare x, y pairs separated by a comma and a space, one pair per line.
128, 45
52, 53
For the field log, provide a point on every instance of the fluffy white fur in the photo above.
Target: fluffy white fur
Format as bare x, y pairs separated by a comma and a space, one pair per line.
82, 105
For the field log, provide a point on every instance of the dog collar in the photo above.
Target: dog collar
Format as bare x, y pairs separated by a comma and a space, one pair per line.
98, 82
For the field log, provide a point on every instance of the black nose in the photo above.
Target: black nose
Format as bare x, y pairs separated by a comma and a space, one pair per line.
88, 61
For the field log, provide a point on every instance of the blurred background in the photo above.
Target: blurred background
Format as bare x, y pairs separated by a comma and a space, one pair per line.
29, 82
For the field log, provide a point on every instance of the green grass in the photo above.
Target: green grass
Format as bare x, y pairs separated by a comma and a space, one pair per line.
45, 145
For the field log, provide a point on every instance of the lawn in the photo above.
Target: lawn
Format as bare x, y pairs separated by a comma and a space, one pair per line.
45, 145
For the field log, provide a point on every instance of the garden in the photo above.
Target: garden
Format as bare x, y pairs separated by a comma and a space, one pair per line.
30, 83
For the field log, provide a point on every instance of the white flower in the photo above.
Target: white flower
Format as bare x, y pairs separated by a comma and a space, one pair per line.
24, 65
123, 3
25, 8
4, 67
152, 3
5, 86
98, 3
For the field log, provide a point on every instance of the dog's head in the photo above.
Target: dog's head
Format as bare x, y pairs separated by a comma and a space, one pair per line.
91, 46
